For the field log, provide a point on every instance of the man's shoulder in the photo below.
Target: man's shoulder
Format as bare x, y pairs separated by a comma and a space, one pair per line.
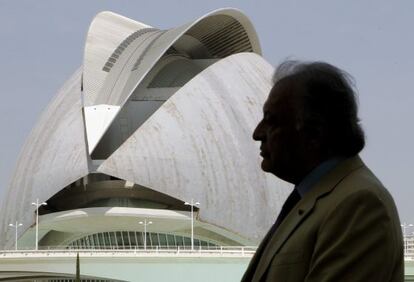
362, 187
351, 183
362, 182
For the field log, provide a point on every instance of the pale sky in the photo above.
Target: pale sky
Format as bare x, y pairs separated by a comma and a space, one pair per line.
41, 44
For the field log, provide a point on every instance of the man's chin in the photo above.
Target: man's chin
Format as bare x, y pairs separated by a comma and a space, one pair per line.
266, 167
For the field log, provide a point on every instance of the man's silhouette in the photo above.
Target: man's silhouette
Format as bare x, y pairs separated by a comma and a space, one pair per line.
339, 223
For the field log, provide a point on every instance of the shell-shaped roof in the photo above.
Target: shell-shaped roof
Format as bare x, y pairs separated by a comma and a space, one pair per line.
224, 32
194, 143
197, 145
107, 31
53, 156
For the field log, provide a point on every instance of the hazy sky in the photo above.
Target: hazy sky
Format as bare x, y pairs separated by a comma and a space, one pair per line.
41, 44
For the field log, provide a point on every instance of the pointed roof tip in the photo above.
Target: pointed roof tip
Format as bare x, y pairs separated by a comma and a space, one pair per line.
110, 14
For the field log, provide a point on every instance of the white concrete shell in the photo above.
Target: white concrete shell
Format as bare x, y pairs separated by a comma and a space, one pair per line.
195, 143
198, 146
140, 53
105, 33
53, 156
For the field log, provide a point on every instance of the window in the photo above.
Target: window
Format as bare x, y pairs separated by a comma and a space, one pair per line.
132, 239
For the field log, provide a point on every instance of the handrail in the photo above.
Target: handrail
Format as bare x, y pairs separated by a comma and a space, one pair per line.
179, 251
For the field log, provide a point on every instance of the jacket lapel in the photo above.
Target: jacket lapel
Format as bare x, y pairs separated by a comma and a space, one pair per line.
302, 210
248, 275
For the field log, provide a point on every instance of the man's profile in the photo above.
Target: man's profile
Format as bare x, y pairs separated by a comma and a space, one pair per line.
339, 223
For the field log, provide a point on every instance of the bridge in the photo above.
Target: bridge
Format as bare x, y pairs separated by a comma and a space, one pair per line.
134, 264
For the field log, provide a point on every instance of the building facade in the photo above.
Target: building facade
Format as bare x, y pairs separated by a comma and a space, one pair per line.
152, 119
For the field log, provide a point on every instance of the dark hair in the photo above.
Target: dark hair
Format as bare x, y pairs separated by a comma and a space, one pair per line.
328, 107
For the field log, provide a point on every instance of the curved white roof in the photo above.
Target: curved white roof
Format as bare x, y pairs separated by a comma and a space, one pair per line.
144, 51
105, 33
53, 156
198, 145
224, 30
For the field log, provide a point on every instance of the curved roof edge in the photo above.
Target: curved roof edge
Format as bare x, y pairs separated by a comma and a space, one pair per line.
246, 23
123, 92
106, 31
182, 30
118, 95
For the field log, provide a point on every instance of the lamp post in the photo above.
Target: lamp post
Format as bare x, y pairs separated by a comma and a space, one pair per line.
145, 223
37, 220
17, 225
404, 227
192, 204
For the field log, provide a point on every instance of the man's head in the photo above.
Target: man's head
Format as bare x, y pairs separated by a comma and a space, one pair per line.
309, 116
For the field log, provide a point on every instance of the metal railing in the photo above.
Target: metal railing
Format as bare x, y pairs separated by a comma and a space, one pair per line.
60, 251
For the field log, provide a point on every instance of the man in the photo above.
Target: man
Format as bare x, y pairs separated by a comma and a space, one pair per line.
339, 223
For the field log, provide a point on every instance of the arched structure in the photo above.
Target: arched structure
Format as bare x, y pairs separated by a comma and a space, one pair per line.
152, 119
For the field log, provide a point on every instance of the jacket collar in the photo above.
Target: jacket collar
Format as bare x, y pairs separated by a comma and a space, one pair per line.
317, 174
302, 210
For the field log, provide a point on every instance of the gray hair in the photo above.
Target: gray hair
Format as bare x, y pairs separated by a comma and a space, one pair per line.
329, 107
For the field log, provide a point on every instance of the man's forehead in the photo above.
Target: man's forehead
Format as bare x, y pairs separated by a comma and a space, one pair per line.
278, 96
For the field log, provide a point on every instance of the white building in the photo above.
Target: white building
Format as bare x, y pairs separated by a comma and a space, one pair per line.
153, 118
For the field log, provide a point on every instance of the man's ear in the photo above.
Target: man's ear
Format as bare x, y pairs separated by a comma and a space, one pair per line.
315, 136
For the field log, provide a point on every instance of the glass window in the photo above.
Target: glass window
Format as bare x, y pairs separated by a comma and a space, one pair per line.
187, 241
119, 242
92, 240
154, 239
101, 241
87, 242
96, 242
162, 240
129, 240
106, 238
112, 237
179, 241
140, 239
125, 238
132, 239
196, 242
170, 240
149, 243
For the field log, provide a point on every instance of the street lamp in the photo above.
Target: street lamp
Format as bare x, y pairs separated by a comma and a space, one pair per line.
17, 225
145, 223
37, 219
404, 227
192, 204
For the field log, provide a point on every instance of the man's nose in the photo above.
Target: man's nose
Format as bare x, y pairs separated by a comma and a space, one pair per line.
257, 133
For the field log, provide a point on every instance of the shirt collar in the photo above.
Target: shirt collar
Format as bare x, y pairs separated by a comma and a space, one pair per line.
315, 175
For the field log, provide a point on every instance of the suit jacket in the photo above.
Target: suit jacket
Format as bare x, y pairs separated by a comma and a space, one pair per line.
346, 228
